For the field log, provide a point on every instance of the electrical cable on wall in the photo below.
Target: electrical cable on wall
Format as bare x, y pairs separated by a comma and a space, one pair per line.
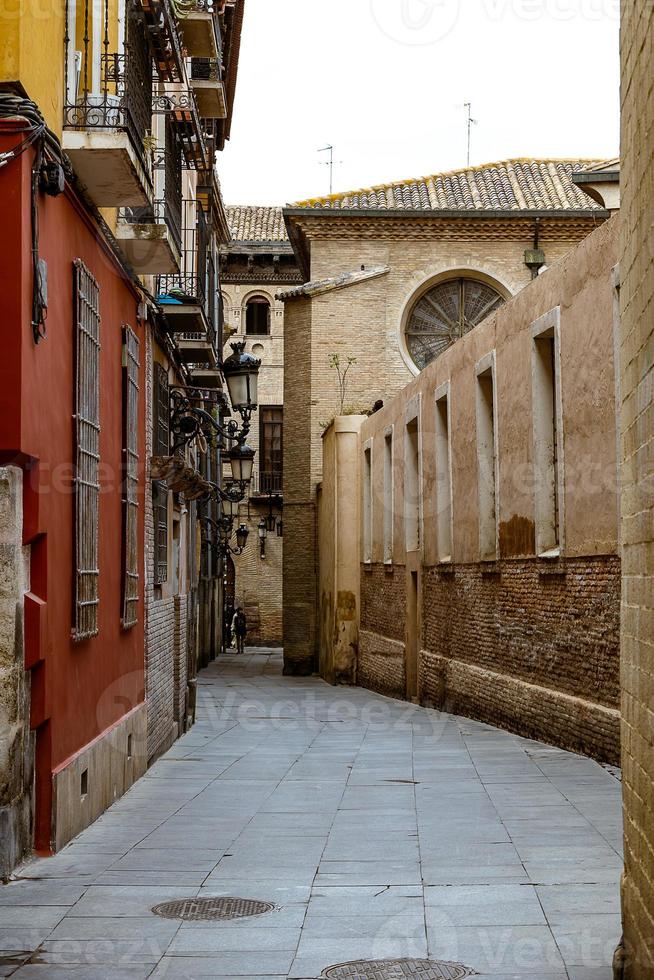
48, 176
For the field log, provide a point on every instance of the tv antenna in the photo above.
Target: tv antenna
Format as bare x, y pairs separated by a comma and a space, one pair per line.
471, 122
329, 163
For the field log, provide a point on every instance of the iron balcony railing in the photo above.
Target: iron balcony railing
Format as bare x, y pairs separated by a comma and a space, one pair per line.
157, 213
190, 285
206, 70
267, 483
107, 89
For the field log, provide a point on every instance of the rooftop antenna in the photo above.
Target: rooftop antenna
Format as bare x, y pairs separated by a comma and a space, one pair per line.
329, 163
471, 122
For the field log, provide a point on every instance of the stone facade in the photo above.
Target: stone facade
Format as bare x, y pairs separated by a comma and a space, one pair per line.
16, 740
637, 353
526, 635
365, 320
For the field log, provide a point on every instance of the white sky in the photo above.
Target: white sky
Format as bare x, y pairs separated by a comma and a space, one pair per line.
385, 81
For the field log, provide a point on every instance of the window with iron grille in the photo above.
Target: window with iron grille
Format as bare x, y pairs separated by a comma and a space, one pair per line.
87, 440
130, 485
271, 446
160, 447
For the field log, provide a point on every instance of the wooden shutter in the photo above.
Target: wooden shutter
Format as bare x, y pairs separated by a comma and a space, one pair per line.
130, 486
87, 437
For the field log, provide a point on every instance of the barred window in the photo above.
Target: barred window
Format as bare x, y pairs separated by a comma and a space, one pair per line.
87, 420
161, 447
130, 485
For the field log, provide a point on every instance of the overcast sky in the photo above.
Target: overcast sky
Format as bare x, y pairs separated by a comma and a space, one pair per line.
385, 81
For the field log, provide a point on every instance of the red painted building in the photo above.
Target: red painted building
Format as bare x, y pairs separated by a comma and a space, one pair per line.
72, 418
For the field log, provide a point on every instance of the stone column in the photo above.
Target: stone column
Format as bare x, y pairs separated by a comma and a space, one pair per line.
16, 740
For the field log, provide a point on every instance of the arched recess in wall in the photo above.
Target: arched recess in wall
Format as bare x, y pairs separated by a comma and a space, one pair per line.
443, 309
258, 315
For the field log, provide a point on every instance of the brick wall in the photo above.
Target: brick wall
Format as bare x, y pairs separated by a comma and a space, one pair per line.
637, 349
300, 580
180, 670
543, 640
380, 664
159, 615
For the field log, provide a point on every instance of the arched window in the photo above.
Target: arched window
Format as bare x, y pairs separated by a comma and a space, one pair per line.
446, 312
257, 316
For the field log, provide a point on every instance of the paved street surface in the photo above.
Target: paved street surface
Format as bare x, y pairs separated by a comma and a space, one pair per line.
378, 830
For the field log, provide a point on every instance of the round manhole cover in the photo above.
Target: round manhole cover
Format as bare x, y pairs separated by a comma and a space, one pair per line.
192, 909
397, 970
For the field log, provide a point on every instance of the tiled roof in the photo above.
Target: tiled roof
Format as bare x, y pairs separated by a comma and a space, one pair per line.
511, 185
256, 224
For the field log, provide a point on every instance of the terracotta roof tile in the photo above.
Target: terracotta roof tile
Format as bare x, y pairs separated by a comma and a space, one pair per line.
256, 224
510, 185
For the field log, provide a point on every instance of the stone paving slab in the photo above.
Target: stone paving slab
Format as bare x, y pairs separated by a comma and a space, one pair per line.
376, 828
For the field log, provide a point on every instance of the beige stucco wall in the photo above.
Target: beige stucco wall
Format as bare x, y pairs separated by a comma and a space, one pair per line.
582, 286
339, 499
637, 354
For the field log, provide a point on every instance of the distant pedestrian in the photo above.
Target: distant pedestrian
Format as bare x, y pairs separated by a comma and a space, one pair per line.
240, 628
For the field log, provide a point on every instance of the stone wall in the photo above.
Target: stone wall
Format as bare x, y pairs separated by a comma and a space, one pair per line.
637, 350
16, 740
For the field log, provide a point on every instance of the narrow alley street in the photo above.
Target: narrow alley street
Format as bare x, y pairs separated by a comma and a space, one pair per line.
376, 830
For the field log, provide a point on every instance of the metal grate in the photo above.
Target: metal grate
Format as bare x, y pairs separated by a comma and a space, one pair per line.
192, 909
131, 483
397, 969
87, 425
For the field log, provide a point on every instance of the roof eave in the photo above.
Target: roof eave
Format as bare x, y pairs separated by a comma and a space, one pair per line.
291, 212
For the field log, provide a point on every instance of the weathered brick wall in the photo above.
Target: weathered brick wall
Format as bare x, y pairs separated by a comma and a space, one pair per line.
159, 614
300, 532
259, 583
637, 349
380, 664
530, 647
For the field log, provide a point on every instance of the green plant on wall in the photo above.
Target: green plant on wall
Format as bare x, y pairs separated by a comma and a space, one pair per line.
342, 370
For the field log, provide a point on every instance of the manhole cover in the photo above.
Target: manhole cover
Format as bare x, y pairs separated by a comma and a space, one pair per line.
212, 908
397, 969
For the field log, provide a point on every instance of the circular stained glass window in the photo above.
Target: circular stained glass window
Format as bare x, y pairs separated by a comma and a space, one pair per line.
444, 313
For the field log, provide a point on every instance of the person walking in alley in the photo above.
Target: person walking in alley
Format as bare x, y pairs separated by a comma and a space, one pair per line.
240, 628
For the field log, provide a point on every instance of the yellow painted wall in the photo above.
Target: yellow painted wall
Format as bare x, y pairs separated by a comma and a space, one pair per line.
32, 53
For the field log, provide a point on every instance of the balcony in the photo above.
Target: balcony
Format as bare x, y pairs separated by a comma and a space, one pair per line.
206, 82
199, 30
205, 377
108, 110
150, 238
267, 484
183, 296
